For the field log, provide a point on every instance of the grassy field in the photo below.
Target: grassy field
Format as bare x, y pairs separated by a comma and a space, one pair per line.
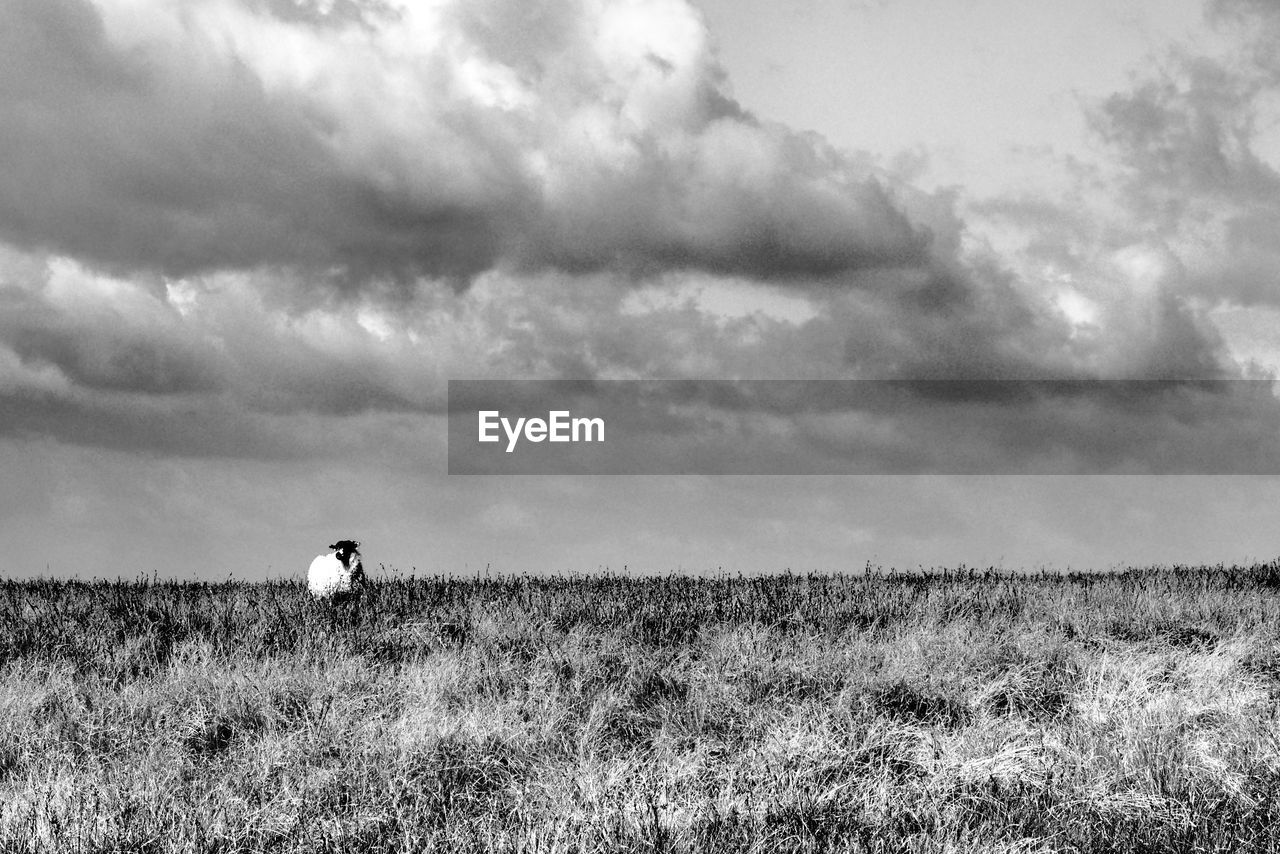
1133, 712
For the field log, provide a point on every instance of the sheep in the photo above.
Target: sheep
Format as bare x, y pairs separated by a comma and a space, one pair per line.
336, 575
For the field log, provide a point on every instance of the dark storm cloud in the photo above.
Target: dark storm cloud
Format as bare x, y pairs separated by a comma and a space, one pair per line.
194, 147
108, 349
152, 158
106, 363
804, 220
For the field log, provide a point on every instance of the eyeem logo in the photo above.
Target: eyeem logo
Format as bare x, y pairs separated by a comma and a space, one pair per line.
559, 426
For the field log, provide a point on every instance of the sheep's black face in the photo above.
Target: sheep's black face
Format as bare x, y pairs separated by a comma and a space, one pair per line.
344, 550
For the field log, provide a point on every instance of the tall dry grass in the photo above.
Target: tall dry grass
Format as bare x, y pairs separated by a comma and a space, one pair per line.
950, 712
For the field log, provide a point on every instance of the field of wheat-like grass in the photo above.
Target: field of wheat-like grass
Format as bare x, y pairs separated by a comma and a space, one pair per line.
1129, 712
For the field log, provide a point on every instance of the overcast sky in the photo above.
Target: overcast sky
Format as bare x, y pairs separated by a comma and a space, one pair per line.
244, 244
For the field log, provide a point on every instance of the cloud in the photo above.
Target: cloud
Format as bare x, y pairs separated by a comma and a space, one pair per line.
437, 139
171, 156
233, 222
202, 368
125, 343
245, 243
1188, 132
1151, 246
1199, 159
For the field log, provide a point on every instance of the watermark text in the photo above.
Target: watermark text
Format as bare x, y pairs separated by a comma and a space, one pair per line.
558, 426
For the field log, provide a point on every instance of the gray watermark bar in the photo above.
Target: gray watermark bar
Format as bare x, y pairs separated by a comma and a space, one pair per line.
793, 427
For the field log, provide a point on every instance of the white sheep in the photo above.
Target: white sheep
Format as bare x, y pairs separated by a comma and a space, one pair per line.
337, 574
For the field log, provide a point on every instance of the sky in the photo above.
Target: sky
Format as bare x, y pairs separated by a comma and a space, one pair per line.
245, 245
